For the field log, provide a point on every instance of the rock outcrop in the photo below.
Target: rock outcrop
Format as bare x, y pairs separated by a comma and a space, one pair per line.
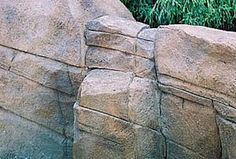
197, 64
138, 93
41, 68
117, 111
156, 93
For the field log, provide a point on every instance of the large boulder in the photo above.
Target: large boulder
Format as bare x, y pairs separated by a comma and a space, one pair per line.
150, 93
42, 65
164, 111
117, 116
53, 29
196, 72
198, 59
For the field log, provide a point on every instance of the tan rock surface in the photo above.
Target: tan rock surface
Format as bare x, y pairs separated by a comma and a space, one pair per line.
106, 126
226, 111
144, 48
148, 34
90, 146
6, 57
102, 58
42, 64
190, 125
106, 91
35, 102
227, 131
149, 143
121, 139
144, 98
48, 72
112, 41
52, 28
199, 56
124, 110
116, 25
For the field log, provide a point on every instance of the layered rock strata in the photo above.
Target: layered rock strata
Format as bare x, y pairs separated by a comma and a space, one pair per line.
139, 93
41, 68
118, 113
156, 93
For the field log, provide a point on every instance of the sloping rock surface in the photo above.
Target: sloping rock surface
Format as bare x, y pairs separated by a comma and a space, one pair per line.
198, 65
156, 93
197, 58
42, 65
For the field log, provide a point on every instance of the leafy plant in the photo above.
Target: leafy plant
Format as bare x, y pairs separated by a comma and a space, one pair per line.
219, 14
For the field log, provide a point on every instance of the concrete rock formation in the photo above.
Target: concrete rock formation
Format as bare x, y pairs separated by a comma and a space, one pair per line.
41, 68
156, 93
138, 93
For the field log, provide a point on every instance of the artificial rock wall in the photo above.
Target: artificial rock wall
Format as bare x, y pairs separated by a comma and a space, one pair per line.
156, 93
137, 92
41, 68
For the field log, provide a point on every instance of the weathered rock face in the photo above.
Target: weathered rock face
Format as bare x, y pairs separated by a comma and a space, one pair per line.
156, 93
165, 93
42, 65
228, 137
26, 139
197, 66
111, 111
117, 114
190, 125
53, 29
200, 56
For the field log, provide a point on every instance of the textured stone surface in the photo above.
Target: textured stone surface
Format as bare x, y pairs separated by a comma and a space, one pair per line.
148, 34
97, 57
35, 102
110, 128
112, 41
106, 91
21, 138
90, 146
144, 98
52, 28
176, 151
23, 91
149, 143
144, 68
225, 111
123, 112
178, 103
42, 50
191, 125
228, 138
47, 72
104, 125
117, 25
114, 137
185, 95
138, 47
96, 8
210, 66
115, 60
144, 48
6, 57
110, 103
45, 28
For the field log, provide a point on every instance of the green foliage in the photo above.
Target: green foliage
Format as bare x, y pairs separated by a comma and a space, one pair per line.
219, 14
